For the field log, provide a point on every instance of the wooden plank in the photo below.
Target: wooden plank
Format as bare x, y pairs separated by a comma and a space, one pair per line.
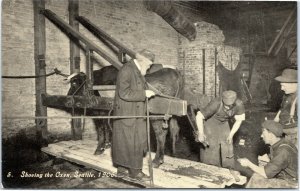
182, 173
91, 163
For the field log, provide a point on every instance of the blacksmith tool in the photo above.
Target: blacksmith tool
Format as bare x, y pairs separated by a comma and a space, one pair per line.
192, 119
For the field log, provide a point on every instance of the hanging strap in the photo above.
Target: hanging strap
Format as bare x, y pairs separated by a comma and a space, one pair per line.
292, 112
293, 107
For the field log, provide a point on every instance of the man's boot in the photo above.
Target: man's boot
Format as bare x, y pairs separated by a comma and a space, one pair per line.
138, 175
122, 172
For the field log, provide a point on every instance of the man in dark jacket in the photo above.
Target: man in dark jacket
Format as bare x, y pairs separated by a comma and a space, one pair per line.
130, 135
282, 169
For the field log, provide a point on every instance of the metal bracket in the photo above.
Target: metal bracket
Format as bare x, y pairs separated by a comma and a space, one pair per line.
122, 57
42, 61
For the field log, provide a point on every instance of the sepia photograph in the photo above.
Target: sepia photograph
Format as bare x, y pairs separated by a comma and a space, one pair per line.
135, 94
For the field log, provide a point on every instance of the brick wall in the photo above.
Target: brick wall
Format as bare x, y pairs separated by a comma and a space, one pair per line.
127, 21
17, 59
209, 41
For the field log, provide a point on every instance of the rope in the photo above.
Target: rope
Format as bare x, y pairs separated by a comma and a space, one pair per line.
80, 117
56, 71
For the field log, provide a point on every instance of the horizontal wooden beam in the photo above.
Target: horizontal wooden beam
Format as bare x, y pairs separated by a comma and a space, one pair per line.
77, 102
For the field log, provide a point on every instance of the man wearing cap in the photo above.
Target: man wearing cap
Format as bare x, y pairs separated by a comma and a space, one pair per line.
129, 140
287, 115
216, 131
282, 170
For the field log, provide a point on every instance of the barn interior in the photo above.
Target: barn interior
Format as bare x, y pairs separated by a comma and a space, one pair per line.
215, 45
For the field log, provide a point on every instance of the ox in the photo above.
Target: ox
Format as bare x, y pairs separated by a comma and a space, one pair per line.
166, 80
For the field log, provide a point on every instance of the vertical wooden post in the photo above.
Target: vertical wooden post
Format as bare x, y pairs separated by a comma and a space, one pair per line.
184, 74
203, 62
89, 69
74, 49
75, 64
216, 68
39, 57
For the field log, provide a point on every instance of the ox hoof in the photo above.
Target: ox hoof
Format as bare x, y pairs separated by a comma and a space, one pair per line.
99, 151
156, 163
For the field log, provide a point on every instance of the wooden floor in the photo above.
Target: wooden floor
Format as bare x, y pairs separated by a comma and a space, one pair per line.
174, 173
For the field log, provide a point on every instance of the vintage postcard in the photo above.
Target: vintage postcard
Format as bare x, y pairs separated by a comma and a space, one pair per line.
149, 94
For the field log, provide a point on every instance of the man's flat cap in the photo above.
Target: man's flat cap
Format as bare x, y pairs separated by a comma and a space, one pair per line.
274, 127
229, 97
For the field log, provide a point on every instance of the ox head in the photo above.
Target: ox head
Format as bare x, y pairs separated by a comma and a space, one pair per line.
77, 82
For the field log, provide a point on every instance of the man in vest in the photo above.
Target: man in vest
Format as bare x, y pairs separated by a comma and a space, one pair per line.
282, 169
214, 129
287, 115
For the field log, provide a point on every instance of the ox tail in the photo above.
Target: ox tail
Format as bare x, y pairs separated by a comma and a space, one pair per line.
108, 120
180, 84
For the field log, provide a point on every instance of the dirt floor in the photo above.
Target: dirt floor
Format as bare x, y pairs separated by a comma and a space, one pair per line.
35, 163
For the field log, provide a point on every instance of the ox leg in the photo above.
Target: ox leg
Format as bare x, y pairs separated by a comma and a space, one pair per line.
100, 136
107, 135
160, 134
174, 132
76, 127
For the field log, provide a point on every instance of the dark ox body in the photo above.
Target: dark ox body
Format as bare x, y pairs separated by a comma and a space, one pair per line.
166, 80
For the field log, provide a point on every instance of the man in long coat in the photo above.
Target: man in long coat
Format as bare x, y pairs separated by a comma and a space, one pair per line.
130, 135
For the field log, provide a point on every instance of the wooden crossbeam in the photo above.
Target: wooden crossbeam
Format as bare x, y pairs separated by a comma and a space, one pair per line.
69, 31
279, 35
59, 101
100, 34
